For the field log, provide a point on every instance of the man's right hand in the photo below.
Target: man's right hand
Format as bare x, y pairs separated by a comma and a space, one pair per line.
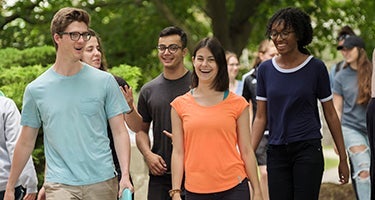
156, 164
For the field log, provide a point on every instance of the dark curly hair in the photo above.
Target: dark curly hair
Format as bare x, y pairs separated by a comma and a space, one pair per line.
298, 21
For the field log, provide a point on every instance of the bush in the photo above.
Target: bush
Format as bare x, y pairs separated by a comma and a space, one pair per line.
44, 55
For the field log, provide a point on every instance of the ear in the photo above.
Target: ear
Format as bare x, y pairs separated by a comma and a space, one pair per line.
184, 51
56, 38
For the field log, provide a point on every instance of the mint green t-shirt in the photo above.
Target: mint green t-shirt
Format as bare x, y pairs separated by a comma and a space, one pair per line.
73, 111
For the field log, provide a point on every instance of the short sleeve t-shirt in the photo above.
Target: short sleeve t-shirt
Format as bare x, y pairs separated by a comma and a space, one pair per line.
212, 160
291, 96
353, 114
154, 106
73, 111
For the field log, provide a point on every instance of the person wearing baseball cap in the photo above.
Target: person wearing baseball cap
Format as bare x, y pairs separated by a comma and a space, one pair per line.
352, 41
351, 95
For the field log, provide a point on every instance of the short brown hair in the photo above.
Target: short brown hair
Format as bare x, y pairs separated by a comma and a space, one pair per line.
64, 17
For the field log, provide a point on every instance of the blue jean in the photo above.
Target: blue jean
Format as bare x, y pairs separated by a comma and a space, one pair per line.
295, 170
241, 191
360, 160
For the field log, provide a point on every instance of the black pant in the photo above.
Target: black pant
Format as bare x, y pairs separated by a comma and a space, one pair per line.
241, 191
295, 170
18, 193
371, 132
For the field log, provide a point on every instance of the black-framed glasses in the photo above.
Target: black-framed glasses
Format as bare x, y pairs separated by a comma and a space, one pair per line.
76, 35
173, 48
283, 34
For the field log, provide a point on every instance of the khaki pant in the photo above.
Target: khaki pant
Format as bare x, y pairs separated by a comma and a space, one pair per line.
99, 191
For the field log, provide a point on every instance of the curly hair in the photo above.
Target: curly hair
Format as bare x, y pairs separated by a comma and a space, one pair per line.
298, 21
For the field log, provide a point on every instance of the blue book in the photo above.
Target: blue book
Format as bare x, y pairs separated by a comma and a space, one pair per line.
126, 194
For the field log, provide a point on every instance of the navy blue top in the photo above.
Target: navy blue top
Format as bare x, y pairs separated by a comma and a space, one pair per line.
291, 96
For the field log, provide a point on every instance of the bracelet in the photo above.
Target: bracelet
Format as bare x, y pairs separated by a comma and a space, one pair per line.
131, 110
173, 192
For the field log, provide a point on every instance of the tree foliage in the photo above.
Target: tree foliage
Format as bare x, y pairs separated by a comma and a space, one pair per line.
130, 28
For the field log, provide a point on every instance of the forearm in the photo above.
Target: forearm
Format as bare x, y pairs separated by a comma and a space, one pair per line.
177, 165
122, 146
143, 143
133, 119
249, 159
22, 153
336, 132
257, 132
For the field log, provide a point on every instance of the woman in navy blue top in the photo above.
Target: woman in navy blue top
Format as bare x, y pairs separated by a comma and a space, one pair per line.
289, 86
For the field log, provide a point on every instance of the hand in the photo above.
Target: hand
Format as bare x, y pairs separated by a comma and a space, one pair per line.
177, 196
29, 196
128, 94
156, 164
168, 134
125, 183
42, 194
257, 195
343, 171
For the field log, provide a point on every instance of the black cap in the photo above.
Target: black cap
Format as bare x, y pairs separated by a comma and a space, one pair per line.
352, 41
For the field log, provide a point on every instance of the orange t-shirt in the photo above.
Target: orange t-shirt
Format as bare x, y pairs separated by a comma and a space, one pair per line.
211, 159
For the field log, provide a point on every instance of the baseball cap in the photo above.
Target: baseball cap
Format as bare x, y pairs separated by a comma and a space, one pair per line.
352, 41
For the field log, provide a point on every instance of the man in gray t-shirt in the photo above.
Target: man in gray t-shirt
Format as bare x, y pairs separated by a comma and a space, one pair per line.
154, 106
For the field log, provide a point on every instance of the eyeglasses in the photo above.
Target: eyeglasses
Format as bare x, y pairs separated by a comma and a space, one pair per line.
342, 37
76, 35
173, 48
283, 34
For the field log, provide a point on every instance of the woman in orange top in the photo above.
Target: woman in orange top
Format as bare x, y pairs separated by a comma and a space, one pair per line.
211, 135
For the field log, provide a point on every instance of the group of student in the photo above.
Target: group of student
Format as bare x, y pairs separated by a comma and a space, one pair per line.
204, 137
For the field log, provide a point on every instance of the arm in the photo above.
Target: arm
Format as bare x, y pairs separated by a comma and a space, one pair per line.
247, 153
122, 145
259, 124
177, 153
338, 104
133, 118
251, 114
336, 132
22, 153
155, 163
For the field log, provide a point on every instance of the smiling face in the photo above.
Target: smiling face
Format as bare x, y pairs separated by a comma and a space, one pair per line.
168, 59
205, 65
92, 53
284, 38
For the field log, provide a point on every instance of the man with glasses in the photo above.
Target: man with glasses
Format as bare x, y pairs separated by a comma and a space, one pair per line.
154, 106
72, 101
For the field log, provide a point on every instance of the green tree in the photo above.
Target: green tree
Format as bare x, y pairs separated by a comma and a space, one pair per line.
130, 28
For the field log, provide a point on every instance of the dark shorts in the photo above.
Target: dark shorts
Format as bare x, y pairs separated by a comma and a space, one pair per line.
261, 152
240, 191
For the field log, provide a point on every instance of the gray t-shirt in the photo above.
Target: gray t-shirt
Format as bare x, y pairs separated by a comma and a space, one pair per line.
346, 85
154, 106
